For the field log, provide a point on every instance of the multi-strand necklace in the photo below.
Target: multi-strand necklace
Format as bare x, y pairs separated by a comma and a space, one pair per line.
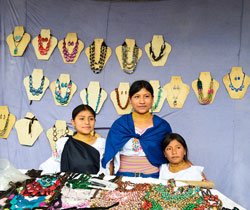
69, 57
151, 51
210, 92
58, 96
56, 132
94, 65
119, 102
17, 40
232, 86
3, 131
38, 91
98, 100
41, 40
158, 99
129, 67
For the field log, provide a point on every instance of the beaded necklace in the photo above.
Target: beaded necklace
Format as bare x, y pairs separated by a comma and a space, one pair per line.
97, 66
42, 50
17, 40
208, 99
151, 51
129, 67
98, 100
234, 88
158, 99
3, 131
37, 91
69, 57
119, 102
55, 133
58, 96
174, 89
177, 167
141, 117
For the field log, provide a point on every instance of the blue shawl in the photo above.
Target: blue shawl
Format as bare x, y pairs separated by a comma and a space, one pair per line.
123, 129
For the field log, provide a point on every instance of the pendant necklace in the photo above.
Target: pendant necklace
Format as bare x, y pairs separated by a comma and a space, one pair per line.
69, 57
151, 51
119, 102
38, 91
58, 96
98, 100
232, 86
129, 67
55, 133
97, 66
210, 92
17, 40
42, 50
158, 99
3, 131
175, 89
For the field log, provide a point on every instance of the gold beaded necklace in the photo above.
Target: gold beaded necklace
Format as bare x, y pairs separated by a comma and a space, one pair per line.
177, 167
141, 117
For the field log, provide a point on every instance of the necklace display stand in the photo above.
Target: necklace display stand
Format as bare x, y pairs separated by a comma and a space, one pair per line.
94, 96
28, 129
206, 82
59, 130
236, 83
70, 48
44, 44
158, 50
98, 54
7, 121
128, 55
120, 99
159, 96
18, 41
63, 90
36, 84
177, 92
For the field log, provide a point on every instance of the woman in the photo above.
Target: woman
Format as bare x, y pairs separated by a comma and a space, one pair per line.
134, 140
178, 166
82, 152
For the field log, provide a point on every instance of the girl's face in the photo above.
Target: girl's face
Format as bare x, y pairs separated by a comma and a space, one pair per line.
142, 101
175, 152
84, 122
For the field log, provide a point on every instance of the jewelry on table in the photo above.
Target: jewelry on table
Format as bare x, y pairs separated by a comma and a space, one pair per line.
41, 40
98, 100
3, 131
56, 132
37, 91
69, 57
232, 86
158, 99
94, 65
58, 96
129, 67
17, 40
201, 98
151, 51
118, 100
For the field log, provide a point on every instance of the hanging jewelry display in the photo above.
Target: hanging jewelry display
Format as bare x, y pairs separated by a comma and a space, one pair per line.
17, 40
151, 51
37, 91
236, 78
69, 57
201, 98
174, 89
158, 99
59, 98
119, 102
41, 40
55, 133
98, 100
129, 67
3, 131
94, 65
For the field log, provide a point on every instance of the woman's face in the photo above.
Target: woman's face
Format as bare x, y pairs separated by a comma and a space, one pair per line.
84, 122
142, 101
175, 152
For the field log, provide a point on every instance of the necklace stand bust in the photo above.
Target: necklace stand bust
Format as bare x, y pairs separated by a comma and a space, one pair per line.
18, 41
206, 81
59, 130
39, 85
7, 121
44, 44
98, 54
28, 129
66, 87
128, 55
120, 99
70, 48
177, 92
158, 50
94, 96
159, 96
236, 83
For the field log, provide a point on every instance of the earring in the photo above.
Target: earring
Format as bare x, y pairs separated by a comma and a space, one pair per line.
121, 92
125, 92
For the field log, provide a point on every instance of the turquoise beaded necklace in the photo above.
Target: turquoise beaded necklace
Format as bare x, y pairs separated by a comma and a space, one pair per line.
98, 100
59, 98
158, 99
38, 91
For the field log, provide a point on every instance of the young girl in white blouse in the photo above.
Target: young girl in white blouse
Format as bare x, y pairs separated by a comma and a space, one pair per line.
177, 165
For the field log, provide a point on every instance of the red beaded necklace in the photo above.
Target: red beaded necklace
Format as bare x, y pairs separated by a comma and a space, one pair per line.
119, 102
42, 50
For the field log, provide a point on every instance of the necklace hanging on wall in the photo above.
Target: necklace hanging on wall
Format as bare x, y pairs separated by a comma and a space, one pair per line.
41, 40
17, 40
58, 96
98, 100
158, 99
151, 51
209, 97
232, 86
129, 67
174, 89
55, 133
69, 57
37, 91
97, 66
3, 131
119, 102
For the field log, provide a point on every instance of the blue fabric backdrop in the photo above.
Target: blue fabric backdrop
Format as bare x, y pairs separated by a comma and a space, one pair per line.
206, 35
